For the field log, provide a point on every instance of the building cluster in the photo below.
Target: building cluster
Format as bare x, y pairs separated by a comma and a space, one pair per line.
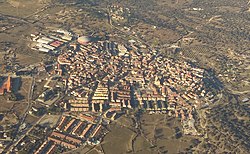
50, 43
168, 86
119, 13
30, 142
72, 132
91, 69
102, 78
5, 85
105, 75
178, 83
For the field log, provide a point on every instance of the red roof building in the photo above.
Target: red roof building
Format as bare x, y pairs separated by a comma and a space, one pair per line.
5, 86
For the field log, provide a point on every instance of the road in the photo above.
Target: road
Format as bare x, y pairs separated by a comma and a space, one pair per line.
30, 94
28, 131
15, 18
238, 92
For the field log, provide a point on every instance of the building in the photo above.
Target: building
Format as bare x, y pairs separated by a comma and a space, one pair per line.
83, 40
5, 86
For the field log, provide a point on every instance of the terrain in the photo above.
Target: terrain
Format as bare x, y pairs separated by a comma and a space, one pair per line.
213, 34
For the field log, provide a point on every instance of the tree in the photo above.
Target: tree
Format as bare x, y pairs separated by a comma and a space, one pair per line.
12, 97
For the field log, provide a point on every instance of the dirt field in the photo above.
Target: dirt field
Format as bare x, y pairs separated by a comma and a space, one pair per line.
31, 119
148, 32
32, 58
20, 8
165, 132
4, 104
173, 3
16, 107
118, 140
160, 134
20, 108
141, 145
94, 151
9, 119
81, 150
25, 86
50, 120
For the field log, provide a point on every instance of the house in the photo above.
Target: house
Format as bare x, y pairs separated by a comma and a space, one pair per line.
5, 86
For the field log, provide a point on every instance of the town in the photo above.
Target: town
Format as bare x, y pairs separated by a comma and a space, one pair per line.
94, 82
108, 76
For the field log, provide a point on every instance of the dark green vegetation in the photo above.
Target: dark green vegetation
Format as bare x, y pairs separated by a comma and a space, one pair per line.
227, 127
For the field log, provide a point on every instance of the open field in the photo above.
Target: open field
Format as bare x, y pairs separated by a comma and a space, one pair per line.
9, 119
24, 88
21, 8
165, 133
17, 108
81, 150
118, 140
20, 108
173, 3
31, 119
33, 58
4, 104
49, 120
141, 145
160, 134
147, 32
